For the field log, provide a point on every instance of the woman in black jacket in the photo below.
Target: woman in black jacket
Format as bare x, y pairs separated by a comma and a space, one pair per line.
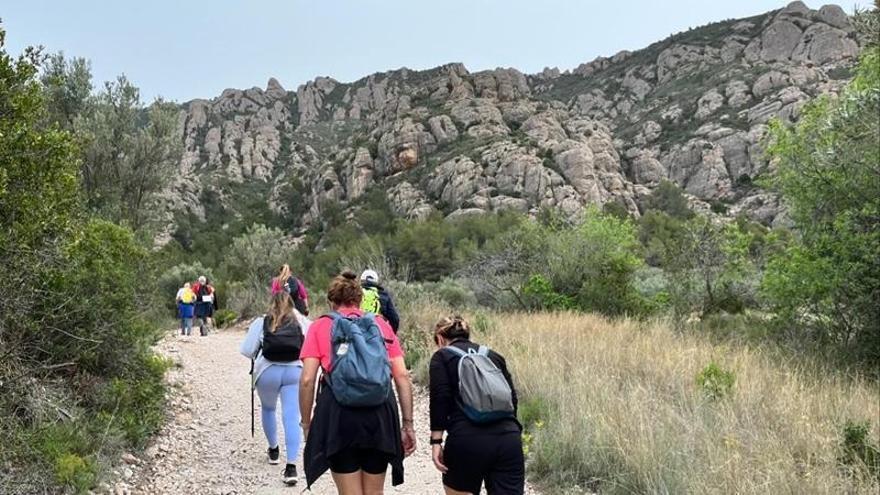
474, 453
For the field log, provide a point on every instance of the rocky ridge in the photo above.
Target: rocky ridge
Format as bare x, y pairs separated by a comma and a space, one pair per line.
692, 109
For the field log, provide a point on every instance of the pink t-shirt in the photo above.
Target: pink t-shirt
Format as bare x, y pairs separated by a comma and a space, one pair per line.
276, 287
318, 345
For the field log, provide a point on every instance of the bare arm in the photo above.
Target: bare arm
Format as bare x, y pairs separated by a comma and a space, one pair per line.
403, 384
307, 391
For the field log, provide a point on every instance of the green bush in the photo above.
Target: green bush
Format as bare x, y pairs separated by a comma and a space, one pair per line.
225, 317
669, 199
533, 411
827, 281
858, 450
452, 294
715, 382
74, 471
540, 293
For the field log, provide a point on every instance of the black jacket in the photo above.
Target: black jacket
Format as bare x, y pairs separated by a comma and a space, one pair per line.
386, 305
446, 414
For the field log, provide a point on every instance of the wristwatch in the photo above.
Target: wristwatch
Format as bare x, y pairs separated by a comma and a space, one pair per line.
436, 441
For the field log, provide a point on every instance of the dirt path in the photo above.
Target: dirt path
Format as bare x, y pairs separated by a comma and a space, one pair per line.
207, 447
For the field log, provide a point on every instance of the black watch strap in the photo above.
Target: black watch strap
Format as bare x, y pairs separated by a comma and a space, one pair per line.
436, 441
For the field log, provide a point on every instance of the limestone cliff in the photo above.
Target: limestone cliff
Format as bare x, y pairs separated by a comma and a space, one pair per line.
692, 108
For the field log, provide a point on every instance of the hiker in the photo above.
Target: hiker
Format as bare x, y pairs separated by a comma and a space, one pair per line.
186, 299
205, 303
476, 406
377, 300
285, 281
274, 342
355, 431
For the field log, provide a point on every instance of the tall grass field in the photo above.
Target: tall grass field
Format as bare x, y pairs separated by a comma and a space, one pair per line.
632, 407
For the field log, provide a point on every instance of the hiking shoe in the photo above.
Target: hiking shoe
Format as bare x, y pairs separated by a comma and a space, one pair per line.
274, 454
289, 477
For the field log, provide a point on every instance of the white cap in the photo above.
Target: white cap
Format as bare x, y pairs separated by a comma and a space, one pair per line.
202, 279
370, 275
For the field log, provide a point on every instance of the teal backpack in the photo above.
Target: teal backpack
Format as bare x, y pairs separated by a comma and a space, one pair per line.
360, 375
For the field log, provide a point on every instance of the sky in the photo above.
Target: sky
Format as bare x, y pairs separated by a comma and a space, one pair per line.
186, 49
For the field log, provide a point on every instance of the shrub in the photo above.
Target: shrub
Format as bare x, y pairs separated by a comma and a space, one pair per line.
74, 471
828, 280
858, 451
452, 294
532, 411
669, 198
246, 300
539, 291
715, 382
224, 317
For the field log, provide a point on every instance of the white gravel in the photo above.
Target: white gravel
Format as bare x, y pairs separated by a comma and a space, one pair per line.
207, 448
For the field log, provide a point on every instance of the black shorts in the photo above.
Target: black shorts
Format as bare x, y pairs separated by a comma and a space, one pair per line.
355, 459
496, 460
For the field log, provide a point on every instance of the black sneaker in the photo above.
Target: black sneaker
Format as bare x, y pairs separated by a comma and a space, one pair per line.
289, 477
274, 454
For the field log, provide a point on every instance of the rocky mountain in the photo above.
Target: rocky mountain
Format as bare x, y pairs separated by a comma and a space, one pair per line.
691, 109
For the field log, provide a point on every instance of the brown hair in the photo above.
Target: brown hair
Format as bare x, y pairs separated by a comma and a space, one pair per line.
345, 290
280, 309
451, 328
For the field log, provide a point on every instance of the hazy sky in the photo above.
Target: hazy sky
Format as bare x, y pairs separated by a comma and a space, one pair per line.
186, 49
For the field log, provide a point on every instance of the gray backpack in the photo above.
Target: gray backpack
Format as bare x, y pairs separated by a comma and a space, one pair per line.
486, 396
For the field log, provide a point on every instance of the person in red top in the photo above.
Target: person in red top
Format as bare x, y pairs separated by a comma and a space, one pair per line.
355, 444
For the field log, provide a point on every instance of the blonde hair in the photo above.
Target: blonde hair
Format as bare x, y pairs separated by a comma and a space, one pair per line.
284, 274
280, 310
451, 328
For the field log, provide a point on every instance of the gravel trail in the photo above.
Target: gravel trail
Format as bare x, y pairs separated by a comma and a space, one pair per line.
207, 448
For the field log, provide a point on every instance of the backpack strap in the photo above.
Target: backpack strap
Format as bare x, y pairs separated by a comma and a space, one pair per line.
483, 351
456, 350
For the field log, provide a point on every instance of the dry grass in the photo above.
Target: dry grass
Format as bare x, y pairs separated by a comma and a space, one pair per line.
621, 411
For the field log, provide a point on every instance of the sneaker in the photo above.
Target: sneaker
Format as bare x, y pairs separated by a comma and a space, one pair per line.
289, 477
274, 454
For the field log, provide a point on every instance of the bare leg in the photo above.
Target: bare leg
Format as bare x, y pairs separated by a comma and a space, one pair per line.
374, 484
349, 483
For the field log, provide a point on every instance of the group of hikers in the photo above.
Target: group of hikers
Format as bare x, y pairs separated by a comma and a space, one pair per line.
196, 300
345, 391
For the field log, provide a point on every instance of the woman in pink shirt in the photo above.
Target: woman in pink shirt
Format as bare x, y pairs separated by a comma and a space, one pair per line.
355, 443
285, 281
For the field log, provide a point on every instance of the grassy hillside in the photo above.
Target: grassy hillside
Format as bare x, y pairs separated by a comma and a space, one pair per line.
628, 407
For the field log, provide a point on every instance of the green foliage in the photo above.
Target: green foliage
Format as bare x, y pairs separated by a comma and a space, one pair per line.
68, 88
76, 472
669, 198
827, 281
78, 377
711, 265
135, 405
715, 382
858, 450
225, 317
540, 292
129, 152
533, 411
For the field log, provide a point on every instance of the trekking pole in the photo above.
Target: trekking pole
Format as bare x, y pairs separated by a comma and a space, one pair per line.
252, 398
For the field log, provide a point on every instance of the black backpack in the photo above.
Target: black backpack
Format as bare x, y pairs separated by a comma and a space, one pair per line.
284, 344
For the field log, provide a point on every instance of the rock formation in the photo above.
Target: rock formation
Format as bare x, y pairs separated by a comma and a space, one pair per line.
692, 108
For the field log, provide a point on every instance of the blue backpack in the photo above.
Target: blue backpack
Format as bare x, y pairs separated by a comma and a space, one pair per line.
361, 372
